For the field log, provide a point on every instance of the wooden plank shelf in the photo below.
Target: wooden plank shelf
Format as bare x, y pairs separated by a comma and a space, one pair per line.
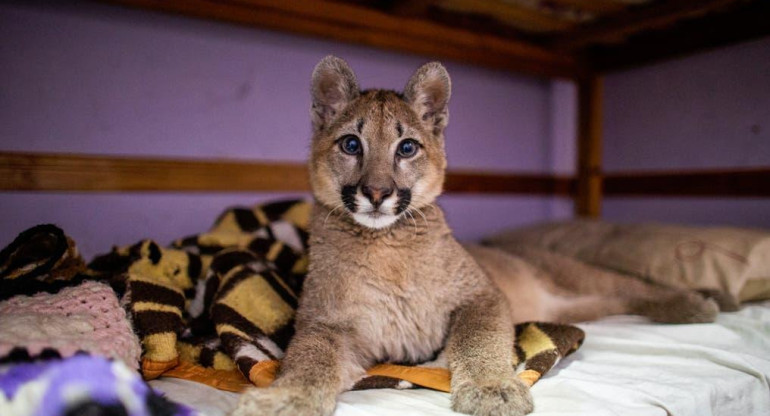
355, 24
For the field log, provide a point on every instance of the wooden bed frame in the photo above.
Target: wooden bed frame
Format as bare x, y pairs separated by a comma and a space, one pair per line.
614, 36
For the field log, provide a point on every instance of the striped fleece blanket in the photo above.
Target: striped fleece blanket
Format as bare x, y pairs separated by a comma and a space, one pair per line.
218, 307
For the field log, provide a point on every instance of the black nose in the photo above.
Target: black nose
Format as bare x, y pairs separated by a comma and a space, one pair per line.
376, 194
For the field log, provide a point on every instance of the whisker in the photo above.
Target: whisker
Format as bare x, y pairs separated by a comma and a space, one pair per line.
423, 216
413, 222
330, 212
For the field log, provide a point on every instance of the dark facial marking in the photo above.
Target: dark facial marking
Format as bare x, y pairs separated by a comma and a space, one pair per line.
399, 129
360, 125
404, 199
349, 197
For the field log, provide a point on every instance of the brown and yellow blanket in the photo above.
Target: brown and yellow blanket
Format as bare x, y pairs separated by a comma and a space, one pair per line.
218, 307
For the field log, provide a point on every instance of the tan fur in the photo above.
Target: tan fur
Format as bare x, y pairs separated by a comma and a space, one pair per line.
387, 281
543, 286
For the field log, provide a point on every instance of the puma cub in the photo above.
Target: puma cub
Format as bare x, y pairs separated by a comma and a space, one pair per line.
387, 281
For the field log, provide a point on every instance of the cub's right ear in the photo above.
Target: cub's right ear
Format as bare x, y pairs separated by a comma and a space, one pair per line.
334, 85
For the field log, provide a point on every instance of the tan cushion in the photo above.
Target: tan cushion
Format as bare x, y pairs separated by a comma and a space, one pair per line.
732, 260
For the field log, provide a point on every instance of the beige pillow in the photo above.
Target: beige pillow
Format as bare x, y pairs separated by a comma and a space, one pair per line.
732, 260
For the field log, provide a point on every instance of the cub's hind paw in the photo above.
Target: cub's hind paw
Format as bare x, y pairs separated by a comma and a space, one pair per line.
502, 398
282, 401
705, 314
684, 308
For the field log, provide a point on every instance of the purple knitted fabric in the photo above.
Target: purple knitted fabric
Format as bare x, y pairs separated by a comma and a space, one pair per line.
80, 385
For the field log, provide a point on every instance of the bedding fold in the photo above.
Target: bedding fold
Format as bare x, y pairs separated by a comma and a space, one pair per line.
731, 262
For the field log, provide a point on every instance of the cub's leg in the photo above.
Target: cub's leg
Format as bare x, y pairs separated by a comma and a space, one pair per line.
583, 292
480, 354
316, 368
582, 308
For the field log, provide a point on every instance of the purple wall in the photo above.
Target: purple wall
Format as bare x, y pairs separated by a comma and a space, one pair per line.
562, 141
90, 78
82, 77
710, 110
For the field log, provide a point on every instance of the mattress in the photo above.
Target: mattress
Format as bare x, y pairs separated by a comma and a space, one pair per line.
627, 366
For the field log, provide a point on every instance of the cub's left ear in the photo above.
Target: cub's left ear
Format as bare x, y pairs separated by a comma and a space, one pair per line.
428, 93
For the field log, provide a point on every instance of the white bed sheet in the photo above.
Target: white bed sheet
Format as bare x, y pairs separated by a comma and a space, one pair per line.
626, 366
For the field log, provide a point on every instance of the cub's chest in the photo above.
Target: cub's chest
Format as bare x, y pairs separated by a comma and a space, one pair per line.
395, 297
400, 325
401, 310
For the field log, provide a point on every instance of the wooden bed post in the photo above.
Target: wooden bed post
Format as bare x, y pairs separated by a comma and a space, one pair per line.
589, 164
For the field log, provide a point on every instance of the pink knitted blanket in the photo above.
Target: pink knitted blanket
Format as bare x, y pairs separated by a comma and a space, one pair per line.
85, 318
49, 309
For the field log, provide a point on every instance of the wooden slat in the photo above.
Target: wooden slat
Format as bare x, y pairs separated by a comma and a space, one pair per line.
589, 181
523, 18
350, 23
715, 183
628, 22
59, 172
593, 6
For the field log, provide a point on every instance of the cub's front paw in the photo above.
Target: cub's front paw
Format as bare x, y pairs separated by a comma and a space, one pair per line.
502, 398
282, 401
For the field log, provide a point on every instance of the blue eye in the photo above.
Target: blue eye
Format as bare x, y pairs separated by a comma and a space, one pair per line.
407, 148
350, 144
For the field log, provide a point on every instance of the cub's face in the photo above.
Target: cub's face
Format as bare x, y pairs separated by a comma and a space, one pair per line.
377, 155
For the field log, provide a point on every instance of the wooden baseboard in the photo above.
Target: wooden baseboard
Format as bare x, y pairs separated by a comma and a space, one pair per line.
62, 172
25, 171
749, 182
91, 173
